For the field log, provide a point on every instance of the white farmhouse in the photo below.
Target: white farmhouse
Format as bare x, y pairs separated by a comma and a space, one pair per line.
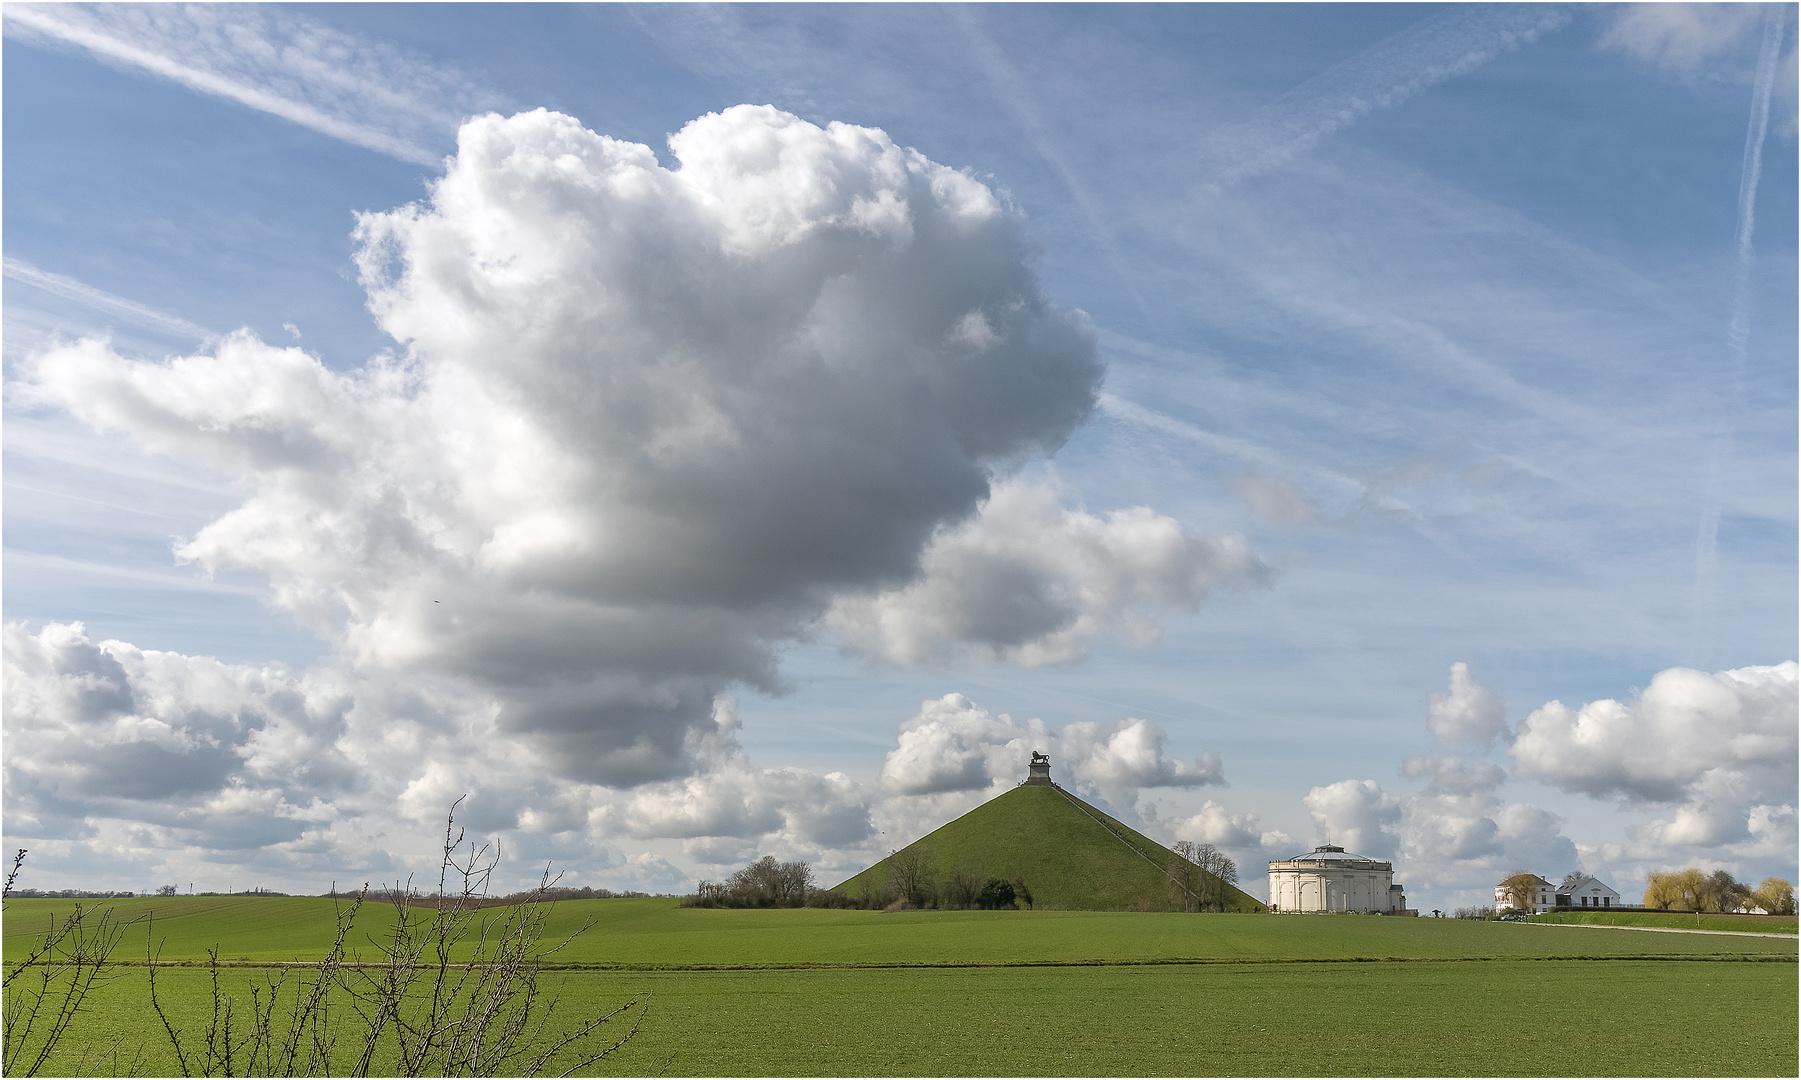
1543, 897
1586, 892
1331, 879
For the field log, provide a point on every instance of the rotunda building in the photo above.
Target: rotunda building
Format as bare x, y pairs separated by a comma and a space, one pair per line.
1330, 878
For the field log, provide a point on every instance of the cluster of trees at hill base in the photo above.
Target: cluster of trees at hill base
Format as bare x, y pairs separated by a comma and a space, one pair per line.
911, 883
1201, 876
764, 883
1691, 890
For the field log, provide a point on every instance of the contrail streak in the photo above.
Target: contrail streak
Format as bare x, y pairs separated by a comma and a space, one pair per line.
367, 96
1738, 333
82, 293
1380, 77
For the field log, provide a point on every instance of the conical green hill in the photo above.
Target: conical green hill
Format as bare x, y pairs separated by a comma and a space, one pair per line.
1071, 855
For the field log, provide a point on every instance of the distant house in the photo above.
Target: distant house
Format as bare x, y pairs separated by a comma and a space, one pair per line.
1543, 897
1586, 892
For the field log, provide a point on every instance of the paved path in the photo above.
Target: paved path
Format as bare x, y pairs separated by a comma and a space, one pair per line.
1669, 930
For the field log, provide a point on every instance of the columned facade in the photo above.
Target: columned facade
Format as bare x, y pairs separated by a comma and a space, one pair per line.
1331, 879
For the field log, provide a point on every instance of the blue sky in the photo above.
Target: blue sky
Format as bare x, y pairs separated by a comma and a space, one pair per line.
1408, 340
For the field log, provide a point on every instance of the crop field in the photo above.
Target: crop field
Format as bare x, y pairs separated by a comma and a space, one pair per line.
810, 992
1674, 920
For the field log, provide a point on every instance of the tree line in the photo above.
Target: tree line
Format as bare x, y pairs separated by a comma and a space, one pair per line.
1672, 890
912, 882
1691, 890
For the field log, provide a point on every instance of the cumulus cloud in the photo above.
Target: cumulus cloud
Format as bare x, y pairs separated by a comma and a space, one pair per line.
1457, 833
1356, 815
1712, 756
184, 738
730, 801
1237, 833
1680, 737
1029, 581
119, 757
647, 424
1719, 748
954, 745
1468, 712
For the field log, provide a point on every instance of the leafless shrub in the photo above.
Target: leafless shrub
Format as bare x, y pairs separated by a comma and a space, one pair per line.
453, 993
47, 988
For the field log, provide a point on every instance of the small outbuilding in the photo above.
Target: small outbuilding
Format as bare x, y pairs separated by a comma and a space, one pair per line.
1329, 878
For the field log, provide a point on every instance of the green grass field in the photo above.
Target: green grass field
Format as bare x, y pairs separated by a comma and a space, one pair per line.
813, 992
1674, 920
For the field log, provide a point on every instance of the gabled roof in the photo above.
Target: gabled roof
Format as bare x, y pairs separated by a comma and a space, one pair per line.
1571, 888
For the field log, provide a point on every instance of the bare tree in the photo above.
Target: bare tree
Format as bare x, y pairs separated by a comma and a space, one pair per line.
910, 874
963, 889
1201, 876
764, 883
1520, 889
1722, 892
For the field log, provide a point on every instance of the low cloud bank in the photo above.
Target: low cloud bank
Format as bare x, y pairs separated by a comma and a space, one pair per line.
1711, 757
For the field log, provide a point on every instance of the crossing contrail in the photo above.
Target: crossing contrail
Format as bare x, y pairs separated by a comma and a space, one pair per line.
1738, 333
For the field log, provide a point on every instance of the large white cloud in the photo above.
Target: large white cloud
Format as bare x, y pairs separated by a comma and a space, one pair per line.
1684, 732
1238, 833
1468, 712
176, 738
1720, 748
1356, 815
648, 422
954, 745
1457, 834
1030, 581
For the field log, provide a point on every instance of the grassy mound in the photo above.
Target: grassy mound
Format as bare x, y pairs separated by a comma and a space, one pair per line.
1072, 856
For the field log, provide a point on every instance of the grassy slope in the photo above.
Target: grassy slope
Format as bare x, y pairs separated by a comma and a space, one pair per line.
1068, 860
658, 934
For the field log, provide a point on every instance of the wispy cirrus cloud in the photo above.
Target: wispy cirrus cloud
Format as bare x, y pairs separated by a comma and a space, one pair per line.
365, 93
82, 293
1439, 48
